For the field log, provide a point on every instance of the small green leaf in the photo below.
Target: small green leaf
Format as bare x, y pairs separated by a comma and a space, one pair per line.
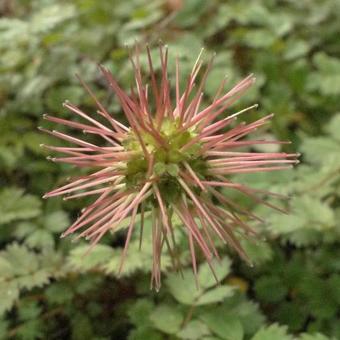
139, 313
227, 327
194, 330
318, 214
14, 205
56, 221
40, 238
247, 311
9, 292
221, 269
80, 259
272, 332
21, 259
215, 295
327, 79
319, 149
24, 269
258, 252
183, 288
59, 293
167, 318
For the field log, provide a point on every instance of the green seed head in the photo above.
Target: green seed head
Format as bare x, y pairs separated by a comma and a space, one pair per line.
169, 158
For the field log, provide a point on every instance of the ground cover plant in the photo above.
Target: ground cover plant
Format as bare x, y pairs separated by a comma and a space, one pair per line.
49, 290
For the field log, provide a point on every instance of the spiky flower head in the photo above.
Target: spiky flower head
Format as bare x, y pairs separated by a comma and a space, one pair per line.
171, 159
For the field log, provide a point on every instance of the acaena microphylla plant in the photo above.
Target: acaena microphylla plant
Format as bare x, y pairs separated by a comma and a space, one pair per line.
173, 158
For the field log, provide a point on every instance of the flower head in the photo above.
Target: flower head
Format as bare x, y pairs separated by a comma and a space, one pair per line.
171, 159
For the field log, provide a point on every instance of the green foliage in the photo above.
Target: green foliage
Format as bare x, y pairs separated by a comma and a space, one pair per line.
225, 326
167, 319
184, 289
22, 269
273, 332
52, 289
40, 234
17, 206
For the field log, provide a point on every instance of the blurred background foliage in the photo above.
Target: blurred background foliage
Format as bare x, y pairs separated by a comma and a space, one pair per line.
48, 290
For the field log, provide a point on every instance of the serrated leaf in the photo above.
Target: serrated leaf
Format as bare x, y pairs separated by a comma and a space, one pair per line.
167, 318
9, 292
194, 330
221, 269
327, 80
139, 313
56, 221
307, 213
14, 205
225, 326
24, 229
247, 311
215, 295
183, 288
272, 332
81, 260
258, 252
302, 237
283, 224
317, 213
40, 238
21, 259
49, 16
319, 149
23, 269
37, 279
59, 293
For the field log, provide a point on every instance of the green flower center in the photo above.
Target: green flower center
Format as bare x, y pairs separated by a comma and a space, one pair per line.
169, 158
